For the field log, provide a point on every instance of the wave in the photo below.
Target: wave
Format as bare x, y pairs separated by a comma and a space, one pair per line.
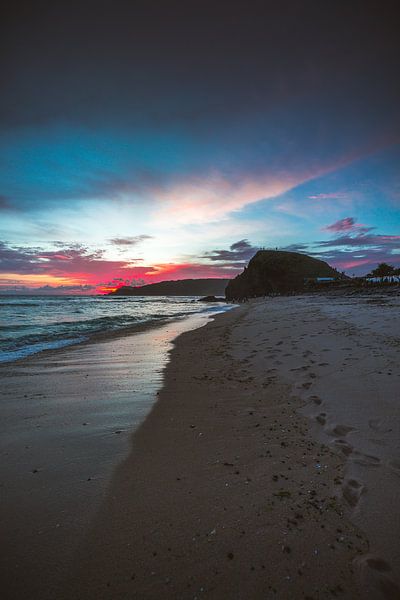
19, 304
11, 355
14, 327
66, 321
65, 334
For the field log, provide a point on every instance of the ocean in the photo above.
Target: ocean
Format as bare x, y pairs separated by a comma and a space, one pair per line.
31, 324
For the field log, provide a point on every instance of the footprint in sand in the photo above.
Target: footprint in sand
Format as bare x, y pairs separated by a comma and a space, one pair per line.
377, 442
366, 460
377, 425
395, 466
341, 430
374, 562
316, 399
321, 418
374, 424
375, 572
344, 447
352, 490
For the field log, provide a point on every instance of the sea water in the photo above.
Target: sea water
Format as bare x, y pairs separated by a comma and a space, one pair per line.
31, 324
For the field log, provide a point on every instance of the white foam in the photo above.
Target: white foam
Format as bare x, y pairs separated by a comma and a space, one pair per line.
11, 355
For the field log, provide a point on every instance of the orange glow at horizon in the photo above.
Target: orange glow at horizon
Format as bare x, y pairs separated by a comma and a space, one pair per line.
105, 289
38, 280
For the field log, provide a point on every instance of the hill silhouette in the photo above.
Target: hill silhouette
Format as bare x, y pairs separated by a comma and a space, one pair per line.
277, 271
181, 287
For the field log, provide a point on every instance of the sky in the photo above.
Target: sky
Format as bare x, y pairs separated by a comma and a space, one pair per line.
143, 141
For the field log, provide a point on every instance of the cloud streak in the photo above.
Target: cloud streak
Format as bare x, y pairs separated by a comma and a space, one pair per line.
129, 241
348, 224
329, 196
363, 241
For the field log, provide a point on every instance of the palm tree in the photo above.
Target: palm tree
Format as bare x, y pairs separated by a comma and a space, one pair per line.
382, 271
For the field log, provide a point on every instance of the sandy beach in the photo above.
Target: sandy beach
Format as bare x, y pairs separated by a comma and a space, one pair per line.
199, 300
66, 418
268, 467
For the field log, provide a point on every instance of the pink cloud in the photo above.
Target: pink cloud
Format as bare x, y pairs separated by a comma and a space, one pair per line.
348, 224
76, 268
345, 265
363, 240
173, 271
210, 198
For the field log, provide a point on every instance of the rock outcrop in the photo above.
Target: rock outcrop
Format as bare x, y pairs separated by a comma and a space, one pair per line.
211, 299
276, 271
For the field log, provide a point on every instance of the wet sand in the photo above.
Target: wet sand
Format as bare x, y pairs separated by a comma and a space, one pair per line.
267, 469
66, 420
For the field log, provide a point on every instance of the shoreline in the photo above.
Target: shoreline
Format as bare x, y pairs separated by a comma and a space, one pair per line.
240, 482
66, 419
104, 336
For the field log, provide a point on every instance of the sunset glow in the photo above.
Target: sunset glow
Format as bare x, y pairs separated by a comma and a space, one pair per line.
270, 140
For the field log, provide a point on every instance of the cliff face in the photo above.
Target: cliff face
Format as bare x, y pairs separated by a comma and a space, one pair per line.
276, 271
182, 287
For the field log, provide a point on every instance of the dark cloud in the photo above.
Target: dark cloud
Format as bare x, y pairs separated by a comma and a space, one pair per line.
129, 241
363, 241
356, 261
256, 86
137, 62
241, 246
17, 260
63, 262
357, 252
238, 253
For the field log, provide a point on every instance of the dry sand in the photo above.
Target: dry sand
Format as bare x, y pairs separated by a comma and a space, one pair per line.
227, 492
267, 469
